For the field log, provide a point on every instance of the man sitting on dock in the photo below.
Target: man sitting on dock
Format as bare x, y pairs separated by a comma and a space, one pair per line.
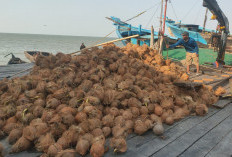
192, 50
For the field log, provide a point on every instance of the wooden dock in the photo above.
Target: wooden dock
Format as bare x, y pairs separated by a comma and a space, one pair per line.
193, 136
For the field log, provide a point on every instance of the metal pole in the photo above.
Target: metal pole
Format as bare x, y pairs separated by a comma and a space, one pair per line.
160, 28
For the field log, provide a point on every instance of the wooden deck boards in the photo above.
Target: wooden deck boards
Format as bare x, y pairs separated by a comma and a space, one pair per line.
210, 135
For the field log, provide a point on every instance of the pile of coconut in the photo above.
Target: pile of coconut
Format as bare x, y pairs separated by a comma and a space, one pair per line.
73, 104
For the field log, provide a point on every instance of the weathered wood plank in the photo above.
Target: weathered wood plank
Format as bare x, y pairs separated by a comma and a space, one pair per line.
223, 149
222, 103
211, 139
191, 136
155, 143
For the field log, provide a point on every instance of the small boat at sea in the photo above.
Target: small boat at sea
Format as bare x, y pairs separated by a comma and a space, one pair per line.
14, 60
32, 55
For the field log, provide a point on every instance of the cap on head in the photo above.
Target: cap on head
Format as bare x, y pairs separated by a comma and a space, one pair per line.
185, 34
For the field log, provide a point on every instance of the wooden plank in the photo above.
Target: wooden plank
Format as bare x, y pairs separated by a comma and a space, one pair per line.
222, 103
155, 143
190, 137
222, 149
211, 139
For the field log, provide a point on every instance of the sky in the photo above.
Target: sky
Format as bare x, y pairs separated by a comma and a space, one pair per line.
87, 17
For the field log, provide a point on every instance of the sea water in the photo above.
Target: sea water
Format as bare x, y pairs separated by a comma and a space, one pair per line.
18, 43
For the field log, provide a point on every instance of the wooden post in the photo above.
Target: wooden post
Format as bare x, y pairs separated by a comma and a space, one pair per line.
152, 38
160, 28
206, 12
109, 42
163, 29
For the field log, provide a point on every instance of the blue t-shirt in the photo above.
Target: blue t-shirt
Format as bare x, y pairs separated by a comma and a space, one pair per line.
190, 45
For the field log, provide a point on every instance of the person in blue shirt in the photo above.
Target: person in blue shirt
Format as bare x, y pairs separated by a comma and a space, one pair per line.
192, 50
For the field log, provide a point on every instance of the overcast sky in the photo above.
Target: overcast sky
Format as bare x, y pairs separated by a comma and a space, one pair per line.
87, 17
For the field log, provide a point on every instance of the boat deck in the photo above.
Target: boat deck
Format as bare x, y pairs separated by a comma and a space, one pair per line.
210, 135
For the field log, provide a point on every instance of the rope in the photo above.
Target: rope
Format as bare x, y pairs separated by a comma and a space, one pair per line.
174, 11
190, 10
152, 17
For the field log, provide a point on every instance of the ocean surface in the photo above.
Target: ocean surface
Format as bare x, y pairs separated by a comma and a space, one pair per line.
18, 43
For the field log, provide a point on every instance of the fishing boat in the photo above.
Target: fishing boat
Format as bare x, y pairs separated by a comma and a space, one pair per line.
32, 55
124, 29
177, 28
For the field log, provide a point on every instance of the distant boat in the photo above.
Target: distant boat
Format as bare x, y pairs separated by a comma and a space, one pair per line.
124, 29
176, 29
32, 55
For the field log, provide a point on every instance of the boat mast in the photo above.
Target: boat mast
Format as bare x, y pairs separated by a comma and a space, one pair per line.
206, 12
160, 28
163, 30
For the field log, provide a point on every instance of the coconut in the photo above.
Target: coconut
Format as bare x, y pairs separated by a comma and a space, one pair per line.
133, 102
118, 131
37, 112
63, 142
201, 109
88, 137
119, 120
167, 103
140, 127
52, 103
179, 114
114, 111
82, 146
118, 144
14, 135
127, 115
97, 132
9, 127
97, 149
67, 153
80, 117
169, 120
11, 120
22, 144
179, 101
39, 102
54, 149
108, 120
68, 119
135, 112
144, 110
106, 131
44, 142
158, 110
158, 129
94, 123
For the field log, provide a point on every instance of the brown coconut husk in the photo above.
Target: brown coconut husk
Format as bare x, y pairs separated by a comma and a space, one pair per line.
129, 125
97, 132
167, 103
144, 110
158, 110
1, 150
53, 103
118, 131
37, 112
64, 143
11, 120
30, 133
67, 153
97, 149
106, 131
108, 120
80, 117
22, 144
119, 120
201, 109
127, 115
11, 126
39, 102
114, 111
135, 112
82, 147
67, 119
15, 135
89, 137
140, 127
94, 123
169, 120
54, 149
44, 142
118, 144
